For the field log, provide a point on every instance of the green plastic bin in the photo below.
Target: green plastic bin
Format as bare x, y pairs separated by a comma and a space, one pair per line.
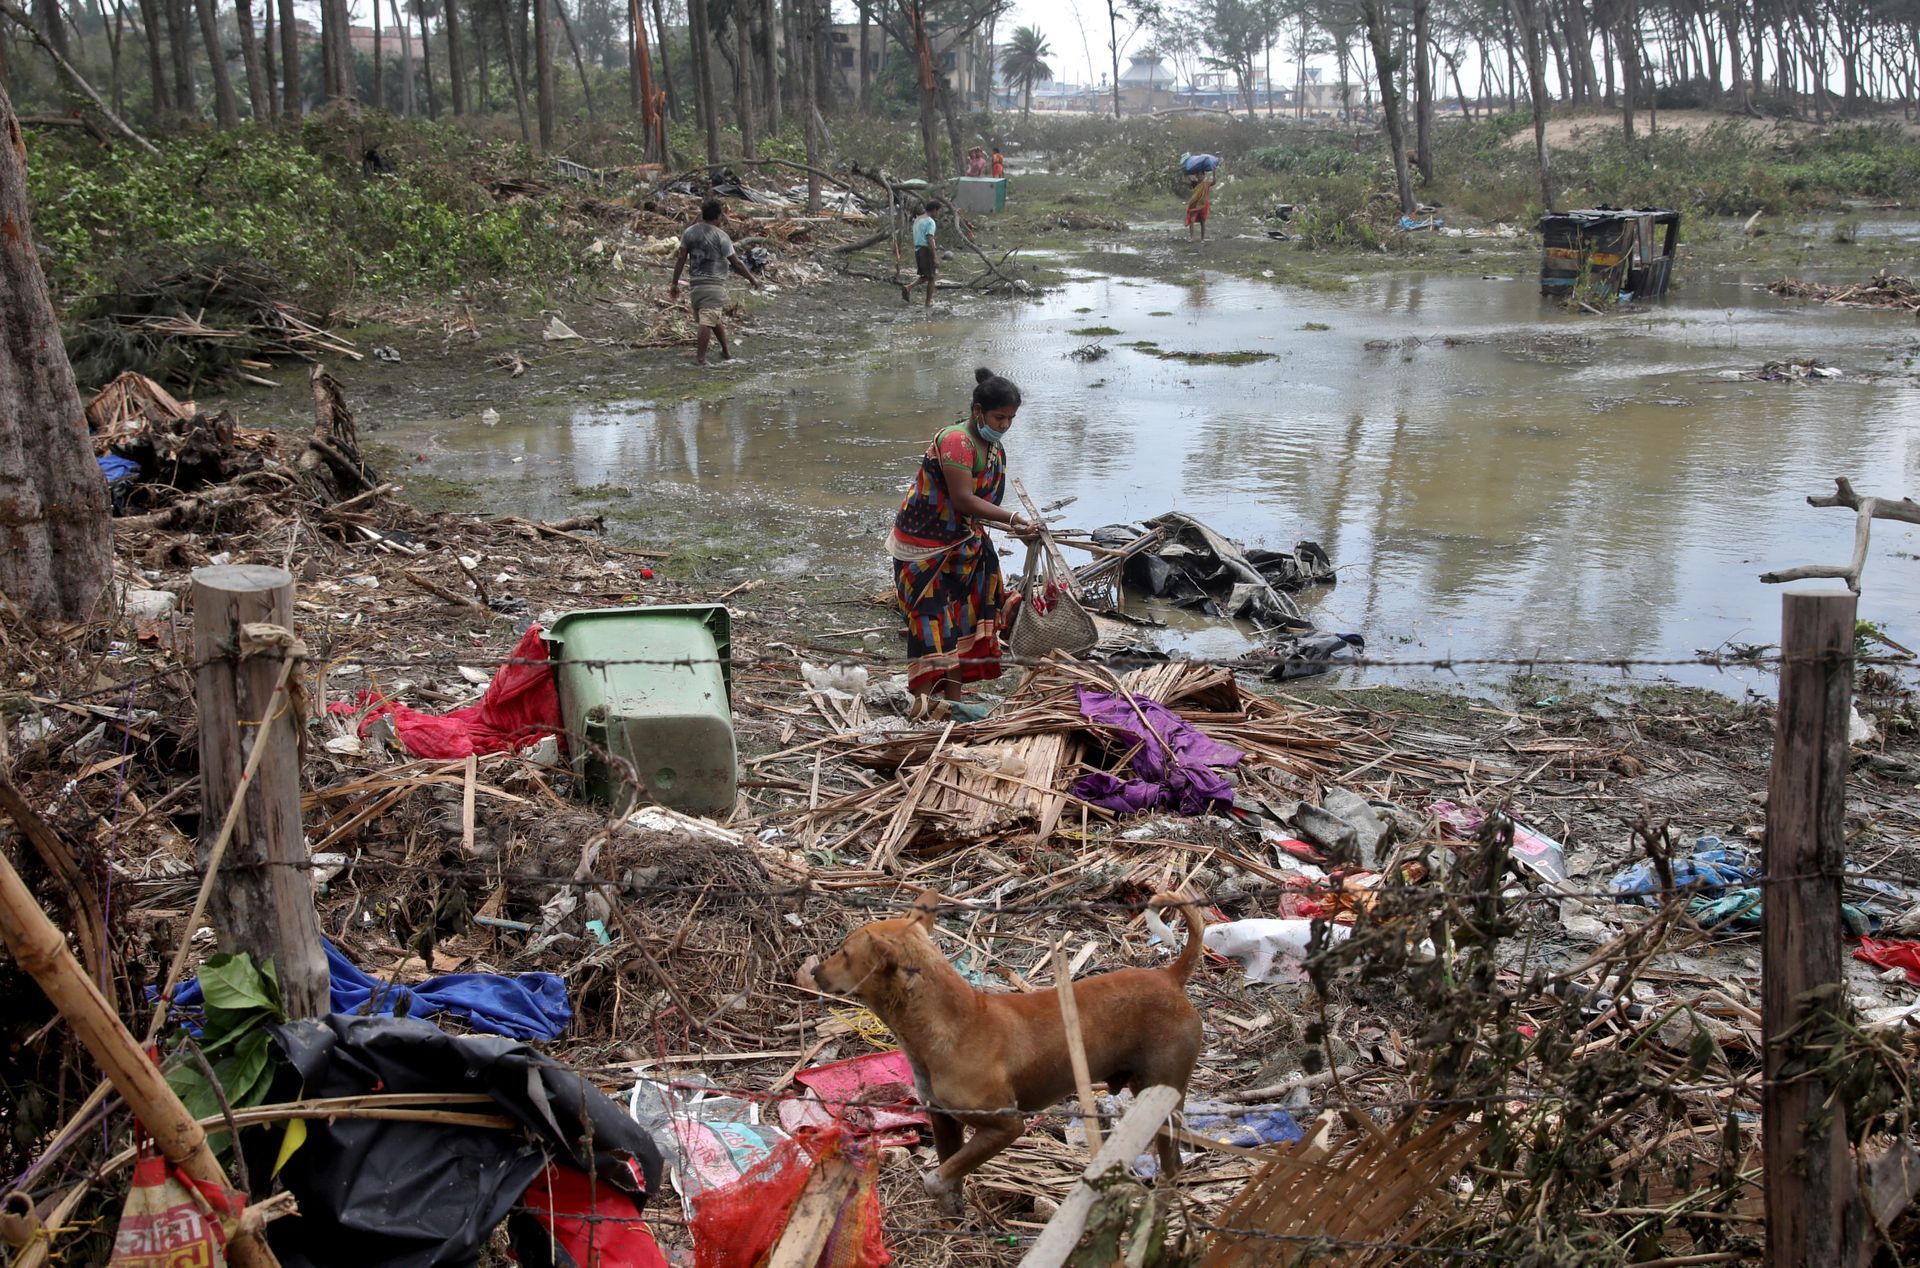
981, 194
671, 723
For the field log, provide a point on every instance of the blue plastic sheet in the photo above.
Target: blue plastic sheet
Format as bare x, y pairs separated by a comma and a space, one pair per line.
1710, 869
529, 1006
114, 467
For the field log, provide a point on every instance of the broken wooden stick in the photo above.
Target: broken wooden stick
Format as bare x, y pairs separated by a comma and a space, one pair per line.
1076, 1048
1867, 509
41, 949
1132, 1135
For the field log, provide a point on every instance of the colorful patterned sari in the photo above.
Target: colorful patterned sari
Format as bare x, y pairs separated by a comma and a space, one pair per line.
948, 581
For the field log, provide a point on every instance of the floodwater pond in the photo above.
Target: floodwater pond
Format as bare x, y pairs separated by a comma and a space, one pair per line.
1495, 477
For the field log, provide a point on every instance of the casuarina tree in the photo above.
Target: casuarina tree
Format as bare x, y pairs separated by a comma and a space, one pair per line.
57, 554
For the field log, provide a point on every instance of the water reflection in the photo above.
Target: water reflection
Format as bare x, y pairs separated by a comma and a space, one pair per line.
1495, 476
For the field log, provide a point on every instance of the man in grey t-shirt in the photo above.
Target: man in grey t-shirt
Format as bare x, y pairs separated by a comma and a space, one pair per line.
708, 249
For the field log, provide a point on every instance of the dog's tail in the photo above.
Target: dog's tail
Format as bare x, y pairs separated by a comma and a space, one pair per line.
1182, 967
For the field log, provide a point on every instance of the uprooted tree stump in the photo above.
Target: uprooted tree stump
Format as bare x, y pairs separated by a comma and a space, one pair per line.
1868, 509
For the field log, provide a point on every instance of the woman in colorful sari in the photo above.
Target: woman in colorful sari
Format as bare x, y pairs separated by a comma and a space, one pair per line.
945, 568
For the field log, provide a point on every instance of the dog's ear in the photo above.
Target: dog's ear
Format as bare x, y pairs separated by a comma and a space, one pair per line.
928, 902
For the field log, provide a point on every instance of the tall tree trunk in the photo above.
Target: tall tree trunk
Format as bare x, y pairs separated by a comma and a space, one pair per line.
1113, 47
1527, 15
943, 95
666, 64
809, 100
178, 45
543, 69
291, 103
1380, 38
651, 124
768, 51
406, 55
482, 81
426, 62
636, 38
922, 53
1423, 89
116, 33
53, 24
259, 89
225, 107
579, 64
379, 59
53, 503
150, 22
741, 62
269, 59
701, 33
1627, 39
456, 64
866, 76
513, 68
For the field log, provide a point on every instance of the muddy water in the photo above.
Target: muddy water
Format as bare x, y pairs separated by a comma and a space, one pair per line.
1494, 477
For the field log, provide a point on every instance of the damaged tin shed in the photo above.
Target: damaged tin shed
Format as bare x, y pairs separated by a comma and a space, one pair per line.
1620, 253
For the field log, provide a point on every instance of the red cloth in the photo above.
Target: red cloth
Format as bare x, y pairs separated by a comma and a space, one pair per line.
521, 707
1891, 955
740, 1223
596, 1225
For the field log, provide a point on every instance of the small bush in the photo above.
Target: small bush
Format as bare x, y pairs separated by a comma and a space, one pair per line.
301, 208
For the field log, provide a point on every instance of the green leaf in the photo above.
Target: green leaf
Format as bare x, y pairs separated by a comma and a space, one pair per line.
231, 982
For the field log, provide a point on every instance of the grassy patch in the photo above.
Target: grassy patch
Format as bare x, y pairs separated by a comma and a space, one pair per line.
1209, 358
1315, 325
1094, 332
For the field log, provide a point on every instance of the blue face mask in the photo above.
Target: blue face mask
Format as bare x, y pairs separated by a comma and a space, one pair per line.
988, 433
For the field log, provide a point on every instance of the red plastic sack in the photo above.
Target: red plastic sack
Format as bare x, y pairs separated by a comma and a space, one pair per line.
521, 707
1891, 955
171, 1221
740, 1224
588, 1224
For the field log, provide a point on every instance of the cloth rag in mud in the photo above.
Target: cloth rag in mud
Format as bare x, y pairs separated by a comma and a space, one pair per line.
521, 706
530, 1006
380, 1193
1176, 766
1891, 955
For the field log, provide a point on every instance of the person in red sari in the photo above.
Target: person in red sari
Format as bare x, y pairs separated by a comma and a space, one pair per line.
946, 571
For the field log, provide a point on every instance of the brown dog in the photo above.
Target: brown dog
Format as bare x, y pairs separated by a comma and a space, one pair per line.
986, 1061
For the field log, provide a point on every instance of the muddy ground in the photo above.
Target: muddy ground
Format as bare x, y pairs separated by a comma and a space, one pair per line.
1587, 761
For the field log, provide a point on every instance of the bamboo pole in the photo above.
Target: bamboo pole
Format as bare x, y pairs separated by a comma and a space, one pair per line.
40, 949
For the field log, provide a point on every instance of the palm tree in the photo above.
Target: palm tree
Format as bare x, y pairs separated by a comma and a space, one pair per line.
1024, 63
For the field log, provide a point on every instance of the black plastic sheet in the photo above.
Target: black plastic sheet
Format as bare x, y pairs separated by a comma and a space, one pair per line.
379, 1193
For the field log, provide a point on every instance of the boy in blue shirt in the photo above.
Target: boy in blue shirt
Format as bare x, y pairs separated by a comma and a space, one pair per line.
926, 256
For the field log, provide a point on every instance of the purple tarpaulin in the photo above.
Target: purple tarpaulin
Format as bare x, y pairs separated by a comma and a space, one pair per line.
1174, 767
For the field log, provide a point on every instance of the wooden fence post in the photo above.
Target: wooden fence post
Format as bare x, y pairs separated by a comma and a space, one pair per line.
264, 903
1810, 1179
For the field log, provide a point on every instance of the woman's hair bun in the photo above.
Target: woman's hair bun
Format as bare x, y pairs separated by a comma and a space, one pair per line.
982, 374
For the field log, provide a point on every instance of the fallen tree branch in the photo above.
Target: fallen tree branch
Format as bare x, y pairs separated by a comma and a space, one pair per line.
1867, 510
74, 77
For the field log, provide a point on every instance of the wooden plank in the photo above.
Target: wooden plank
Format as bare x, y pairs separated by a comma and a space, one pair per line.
1132, 1135
1809, 1179
815, 1214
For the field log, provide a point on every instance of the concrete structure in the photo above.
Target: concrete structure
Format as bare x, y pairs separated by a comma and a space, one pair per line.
1146, 84
963, 63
